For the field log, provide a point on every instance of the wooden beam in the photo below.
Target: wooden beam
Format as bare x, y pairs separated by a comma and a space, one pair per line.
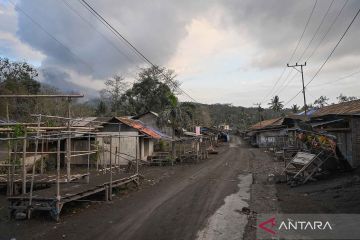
43, 96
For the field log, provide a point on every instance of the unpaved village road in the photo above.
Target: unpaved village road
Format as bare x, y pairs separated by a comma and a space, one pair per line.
193, 201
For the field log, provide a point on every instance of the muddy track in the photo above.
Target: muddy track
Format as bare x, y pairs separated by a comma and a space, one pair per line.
177, 207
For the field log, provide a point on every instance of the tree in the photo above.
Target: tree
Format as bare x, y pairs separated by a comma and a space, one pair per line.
295, 108
342, 98
151, 92
178, 115
115, 88
276, 104
101, 109
321, 102
18, 78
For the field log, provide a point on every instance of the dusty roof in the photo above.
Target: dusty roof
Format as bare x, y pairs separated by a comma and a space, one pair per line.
148, 112
267, 123
351, 107
141, 127
82, 122
88, 121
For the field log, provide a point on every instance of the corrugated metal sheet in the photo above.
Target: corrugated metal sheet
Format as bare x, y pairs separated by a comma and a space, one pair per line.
140, 126
82, 122
352, 107
267, 123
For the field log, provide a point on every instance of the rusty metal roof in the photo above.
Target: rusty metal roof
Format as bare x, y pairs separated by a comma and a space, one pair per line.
141, 127
351, 107
267, 123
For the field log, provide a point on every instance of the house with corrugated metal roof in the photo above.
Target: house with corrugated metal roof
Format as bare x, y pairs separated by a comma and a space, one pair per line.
132, 139
343, 121
151, 119
265, 133
276, 132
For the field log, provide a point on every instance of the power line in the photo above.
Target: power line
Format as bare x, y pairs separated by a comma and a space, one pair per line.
339, 79
51, 36
287, 84
289, 101
101, 34
302, 34
317, 30
333, 50
119, 35
327, 31
328, 57
293, 53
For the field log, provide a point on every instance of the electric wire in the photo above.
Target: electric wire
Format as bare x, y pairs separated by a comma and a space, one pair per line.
328, 57
293, 53
123, 38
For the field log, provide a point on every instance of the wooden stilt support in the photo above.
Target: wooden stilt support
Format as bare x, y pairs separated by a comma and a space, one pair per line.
42, 157
68, 143
88, 159
33, 168
24, 164
110, 185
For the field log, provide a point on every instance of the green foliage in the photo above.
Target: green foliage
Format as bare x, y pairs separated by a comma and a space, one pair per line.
161, 145
154, 90
178, 115
18, 130
236, 116
342, 98
295, 108
321, 102
115, 88
101, 109
276, 104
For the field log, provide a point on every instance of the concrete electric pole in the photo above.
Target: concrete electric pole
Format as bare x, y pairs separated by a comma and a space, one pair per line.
302, 77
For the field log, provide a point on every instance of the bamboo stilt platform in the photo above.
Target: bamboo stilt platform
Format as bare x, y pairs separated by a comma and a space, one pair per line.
48, 199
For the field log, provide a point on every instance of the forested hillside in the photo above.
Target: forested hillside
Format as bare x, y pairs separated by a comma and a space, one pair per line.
236, 116
154, 90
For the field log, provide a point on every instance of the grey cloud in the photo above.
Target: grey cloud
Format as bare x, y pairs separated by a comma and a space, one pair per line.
62, 80
154, 27
157, 27
276, 25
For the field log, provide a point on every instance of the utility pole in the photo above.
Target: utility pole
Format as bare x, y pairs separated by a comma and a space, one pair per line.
302, 78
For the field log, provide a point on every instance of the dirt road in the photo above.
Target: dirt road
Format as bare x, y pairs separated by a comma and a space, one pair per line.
198, 201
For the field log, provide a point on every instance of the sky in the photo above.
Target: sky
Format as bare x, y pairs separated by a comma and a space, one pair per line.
223, 51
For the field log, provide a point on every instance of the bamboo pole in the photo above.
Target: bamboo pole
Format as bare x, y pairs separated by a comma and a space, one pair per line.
68, 143
42, 157
33, 168
116, 156
53, 152
24, 165
9, 150
13, 168
42, 96
103, 153
58, 197
110, 187
97, 155
119, 151
136, 155
88, 159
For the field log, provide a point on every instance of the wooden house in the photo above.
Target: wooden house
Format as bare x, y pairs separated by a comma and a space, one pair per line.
343, 121
129, 138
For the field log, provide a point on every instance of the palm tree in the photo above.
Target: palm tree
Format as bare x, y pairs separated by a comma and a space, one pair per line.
178, 115
276, 104
295, 108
